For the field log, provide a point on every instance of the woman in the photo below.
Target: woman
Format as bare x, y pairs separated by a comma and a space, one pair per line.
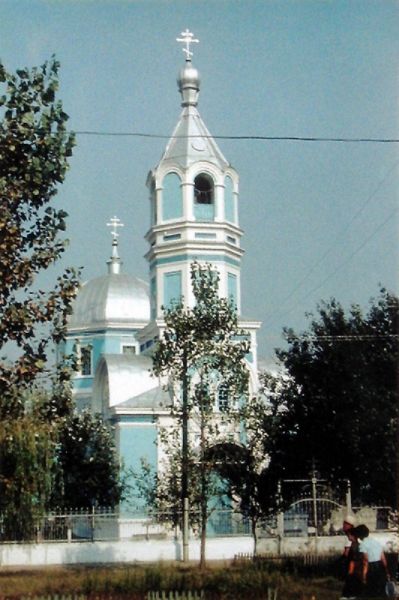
353, 580
374, 564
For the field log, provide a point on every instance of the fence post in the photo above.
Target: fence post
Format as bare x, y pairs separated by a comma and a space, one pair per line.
280, 518
314, 497
348, 497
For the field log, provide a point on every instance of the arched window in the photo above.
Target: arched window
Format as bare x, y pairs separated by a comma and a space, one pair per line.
229, 212
204, 198
84, 356
172, 202
232, 288
172, 288
153, 198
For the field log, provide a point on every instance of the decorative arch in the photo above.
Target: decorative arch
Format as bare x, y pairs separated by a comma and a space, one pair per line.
100, 398
229, 200
204, 197
172, 200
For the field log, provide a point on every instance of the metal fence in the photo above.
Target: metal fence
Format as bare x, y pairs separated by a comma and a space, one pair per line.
102, 524
305, 517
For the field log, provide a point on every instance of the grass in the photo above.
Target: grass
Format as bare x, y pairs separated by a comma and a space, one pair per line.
224, 581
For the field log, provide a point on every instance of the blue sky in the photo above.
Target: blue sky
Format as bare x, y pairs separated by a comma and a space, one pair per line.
320, 219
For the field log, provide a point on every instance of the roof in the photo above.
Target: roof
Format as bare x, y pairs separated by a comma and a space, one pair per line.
126, 381
191, 142
112, 300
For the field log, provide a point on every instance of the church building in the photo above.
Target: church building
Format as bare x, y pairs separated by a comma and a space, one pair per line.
117, 318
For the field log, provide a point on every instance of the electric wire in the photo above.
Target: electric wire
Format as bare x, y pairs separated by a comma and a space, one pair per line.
343, 263
327, 252
282, 138
332, 246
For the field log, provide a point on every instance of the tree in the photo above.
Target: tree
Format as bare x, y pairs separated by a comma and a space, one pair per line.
245, 467
27, 470
88, 469
34, 151
39, 434
201, 353
339, 400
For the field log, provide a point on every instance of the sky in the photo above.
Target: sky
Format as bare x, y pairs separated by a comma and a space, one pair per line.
320, 218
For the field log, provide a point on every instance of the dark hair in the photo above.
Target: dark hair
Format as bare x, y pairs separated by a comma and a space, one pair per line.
361, 531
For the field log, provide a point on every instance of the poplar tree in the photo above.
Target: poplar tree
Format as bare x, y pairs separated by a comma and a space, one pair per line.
201, 354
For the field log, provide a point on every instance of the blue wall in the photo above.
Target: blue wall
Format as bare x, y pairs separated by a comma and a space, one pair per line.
137, 439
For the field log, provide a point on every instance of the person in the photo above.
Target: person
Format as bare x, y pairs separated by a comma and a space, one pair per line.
353, 585
374, 567
348, 524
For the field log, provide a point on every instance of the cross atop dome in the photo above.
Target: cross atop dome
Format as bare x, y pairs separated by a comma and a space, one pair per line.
187, 39
115, 262
115, 222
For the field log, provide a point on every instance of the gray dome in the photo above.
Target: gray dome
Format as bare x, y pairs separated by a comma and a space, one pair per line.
113, 300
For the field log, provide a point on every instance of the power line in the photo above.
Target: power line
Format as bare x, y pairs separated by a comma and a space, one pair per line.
356, 251
343, 263
333, 245
339, 338
281, 138
347, 338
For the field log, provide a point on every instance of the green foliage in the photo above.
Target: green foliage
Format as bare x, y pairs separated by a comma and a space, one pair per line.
47, 454
27, 468
338, 399
204, 339
201, 349
246, 467
34, 151
88, 469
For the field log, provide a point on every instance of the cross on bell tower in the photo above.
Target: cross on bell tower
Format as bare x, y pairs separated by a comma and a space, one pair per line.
187, 39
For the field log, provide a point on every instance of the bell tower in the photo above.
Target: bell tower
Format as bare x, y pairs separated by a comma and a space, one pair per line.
194, 212
194, 205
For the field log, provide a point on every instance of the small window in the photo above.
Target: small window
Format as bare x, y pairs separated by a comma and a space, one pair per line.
85, 360
223, 397
154, 212
205, 236
232, 288
128, 349
204, 198
153, 296
169, 237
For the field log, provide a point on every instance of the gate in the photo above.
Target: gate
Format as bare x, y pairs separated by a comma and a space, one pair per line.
313, 516
315, 509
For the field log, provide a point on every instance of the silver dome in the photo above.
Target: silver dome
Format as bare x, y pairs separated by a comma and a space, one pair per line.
113, 300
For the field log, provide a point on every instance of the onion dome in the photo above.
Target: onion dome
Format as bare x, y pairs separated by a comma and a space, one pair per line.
189, 84
191, 141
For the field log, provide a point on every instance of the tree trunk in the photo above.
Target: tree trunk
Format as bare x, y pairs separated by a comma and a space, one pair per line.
204, 494
254, 535
184, 466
